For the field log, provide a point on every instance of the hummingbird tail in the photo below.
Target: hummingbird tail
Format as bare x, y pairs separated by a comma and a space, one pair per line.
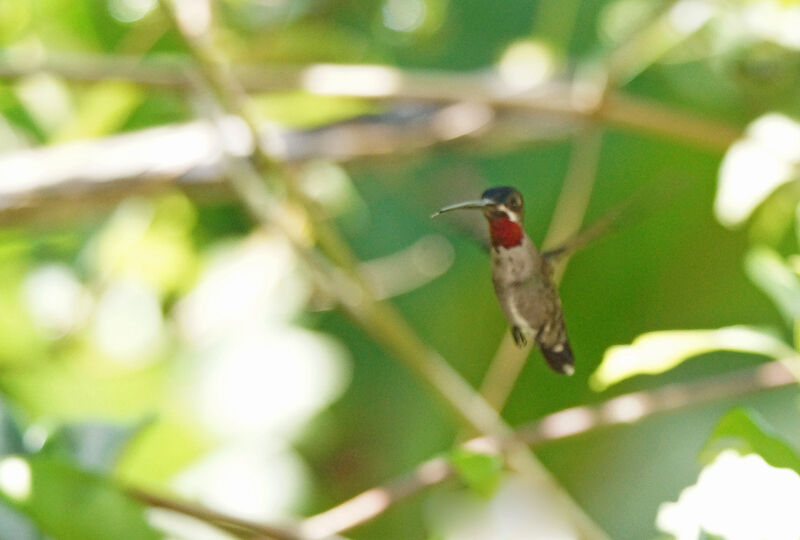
559, 357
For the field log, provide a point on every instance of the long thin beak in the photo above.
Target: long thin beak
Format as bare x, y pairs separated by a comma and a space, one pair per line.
462, 205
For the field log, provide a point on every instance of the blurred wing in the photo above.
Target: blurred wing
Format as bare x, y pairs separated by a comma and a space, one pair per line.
639, 206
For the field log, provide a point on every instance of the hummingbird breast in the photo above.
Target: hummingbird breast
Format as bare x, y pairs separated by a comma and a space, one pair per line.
526, 293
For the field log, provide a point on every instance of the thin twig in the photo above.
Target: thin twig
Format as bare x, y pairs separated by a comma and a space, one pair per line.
222, 521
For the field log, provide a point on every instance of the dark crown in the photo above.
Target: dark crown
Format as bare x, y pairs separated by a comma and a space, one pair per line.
501, 194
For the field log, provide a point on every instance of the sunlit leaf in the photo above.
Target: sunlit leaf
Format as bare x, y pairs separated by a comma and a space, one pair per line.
656, 352
773, 276
102, 110
481, 472
736, 496
92, 446
298, 109
162, 450
69, 392
745, 432
69, 504
754, 167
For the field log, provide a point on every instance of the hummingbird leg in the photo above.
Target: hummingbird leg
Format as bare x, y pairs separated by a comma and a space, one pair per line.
519, 337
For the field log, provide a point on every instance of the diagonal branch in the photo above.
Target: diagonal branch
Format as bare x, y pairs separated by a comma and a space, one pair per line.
575, 421
355, 298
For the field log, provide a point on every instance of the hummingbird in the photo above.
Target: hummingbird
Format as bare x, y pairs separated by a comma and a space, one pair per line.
522, 277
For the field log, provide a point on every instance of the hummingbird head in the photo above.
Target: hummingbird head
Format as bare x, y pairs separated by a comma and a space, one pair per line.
503, 202
503, 208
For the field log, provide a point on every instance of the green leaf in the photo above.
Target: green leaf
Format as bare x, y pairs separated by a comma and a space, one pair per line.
70, 504
481, 472
92, 446
10, 434
745, 432
776, 279
657, 352
103, 109
298, 109
16, 525
759, 150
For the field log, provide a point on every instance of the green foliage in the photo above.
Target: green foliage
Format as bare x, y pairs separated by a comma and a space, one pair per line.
11, 441
71, 504
62, 490
480, 472
773, 276
93, 447
745, 432
657, 352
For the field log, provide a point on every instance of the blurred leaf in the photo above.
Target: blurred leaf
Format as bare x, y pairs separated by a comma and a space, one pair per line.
71, 504
773, 276
92, 446
656, 352
298, 109
162, 450
15, 525
102, 110
11, 441
745, 432
66, 392
15, 15
149, 240
770, 152
480, 472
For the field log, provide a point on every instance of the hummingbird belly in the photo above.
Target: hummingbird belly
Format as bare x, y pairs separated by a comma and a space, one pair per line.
523, 287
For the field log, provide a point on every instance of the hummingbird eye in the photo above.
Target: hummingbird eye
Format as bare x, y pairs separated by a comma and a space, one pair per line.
514, 202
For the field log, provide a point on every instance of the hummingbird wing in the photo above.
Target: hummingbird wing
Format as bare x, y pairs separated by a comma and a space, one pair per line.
637, 207
583, 238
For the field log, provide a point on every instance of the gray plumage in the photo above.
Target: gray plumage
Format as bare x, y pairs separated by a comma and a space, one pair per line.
523, 283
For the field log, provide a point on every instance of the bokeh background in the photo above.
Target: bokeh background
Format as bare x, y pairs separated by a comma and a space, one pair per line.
154, 334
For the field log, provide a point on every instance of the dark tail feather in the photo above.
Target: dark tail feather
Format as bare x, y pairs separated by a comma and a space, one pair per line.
559, 357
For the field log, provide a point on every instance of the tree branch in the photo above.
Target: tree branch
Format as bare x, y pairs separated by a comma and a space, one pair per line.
222, 521
355, 298
624, 409
384, 83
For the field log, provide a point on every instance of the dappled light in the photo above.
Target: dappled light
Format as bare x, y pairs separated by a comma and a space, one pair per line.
656, 352
738, 498
15, 478
768, 157
516, 512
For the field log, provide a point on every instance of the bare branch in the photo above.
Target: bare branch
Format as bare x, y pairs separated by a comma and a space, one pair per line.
222, 521
66, 180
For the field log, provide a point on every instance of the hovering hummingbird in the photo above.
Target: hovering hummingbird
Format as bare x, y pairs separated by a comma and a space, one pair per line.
523, 278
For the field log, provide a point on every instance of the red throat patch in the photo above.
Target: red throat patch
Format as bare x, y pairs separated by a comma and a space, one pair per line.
504, 232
